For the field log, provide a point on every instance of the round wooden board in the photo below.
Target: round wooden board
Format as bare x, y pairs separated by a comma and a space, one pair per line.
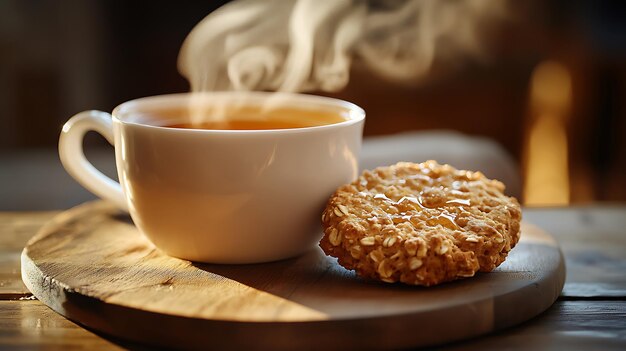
93, 266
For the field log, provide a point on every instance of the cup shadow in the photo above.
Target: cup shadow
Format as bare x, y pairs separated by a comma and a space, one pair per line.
317, 281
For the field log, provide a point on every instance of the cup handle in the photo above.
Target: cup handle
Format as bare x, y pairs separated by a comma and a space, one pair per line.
74, 160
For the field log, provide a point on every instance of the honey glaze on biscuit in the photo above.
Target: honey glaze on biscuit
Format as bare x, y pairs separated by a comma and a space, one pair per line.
417, 204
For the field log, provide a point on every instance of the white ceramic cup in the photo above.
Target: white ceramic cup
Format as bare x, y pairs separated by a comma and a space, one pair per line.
220, 196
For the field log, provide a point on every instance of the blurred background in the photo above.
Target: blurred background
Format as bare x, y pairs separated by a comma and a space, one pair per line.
552, 92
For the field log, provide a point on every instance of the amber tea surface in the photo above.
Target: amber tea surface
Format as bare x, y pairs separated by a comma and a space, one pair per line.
239, 125
248, 118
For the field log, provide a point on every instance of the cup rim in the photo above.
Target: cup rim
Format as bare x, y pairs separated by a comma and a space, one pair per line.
356, 113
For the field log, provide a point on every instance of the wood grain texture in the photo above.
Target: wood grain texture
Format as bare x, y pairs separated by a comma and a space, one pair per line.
31, 325
15, 230
567, 325
594, 240
92, 265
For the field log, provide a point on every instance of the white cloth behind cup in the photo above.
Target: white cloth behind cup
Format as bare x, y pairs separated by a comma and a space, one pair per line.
458, 150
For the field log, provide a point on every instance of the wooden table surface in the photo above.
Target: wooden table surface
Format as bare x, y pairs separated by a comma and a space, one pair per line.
590, 314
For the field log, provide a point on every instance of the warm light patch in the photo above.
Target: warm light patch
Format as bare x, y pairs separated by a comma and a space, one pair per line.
546, 172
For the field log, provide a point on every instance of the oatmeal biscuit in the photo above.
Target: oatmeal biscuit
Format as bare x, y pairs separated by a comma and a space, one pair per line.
420, 224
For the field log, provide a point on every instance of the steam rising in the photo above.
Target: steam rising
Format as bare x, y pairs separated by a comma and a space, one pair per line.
305, 45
